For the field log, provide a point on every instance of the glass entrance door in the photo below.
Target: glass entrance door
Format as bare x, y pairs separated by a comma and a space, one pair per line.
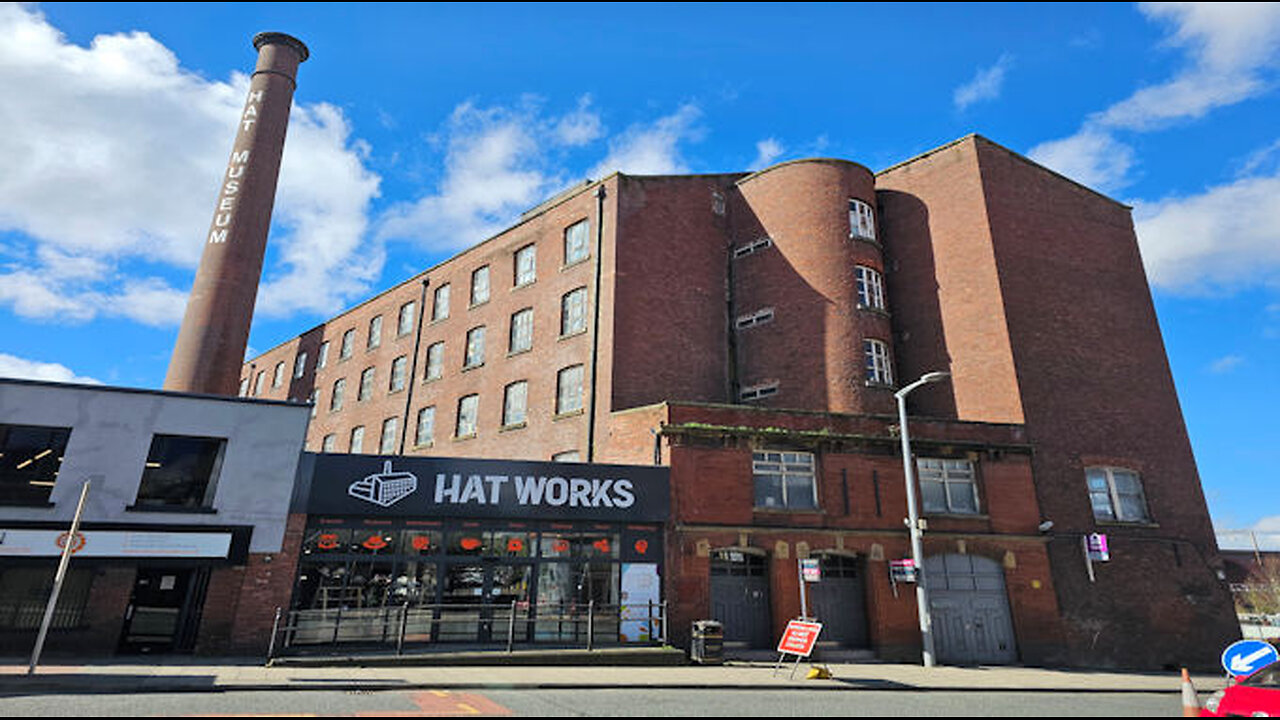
478, 597
156, 617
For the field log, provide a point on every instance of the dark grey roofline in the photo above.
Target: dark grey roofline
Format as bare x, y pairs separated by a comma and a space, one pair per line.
148, 391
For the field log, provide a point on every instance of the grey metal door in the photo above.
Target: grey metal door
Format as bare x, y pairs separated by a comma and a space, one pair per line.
839, 602
971, 620
740, 597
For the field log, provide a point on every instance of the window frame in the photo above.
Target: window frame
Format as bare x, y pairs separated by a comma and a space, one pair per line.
277, 375
861, 216
157, 481
468, 410
348, 346
513, 347
322, 356
40, 471
473, 357
1114, 495
336, 398
434, 369
480, 291
390, 427
367, 378
567, 303
404, 321
440, 303
355, 444
375, 333
526, 276
571, 255
575, 400
515, 414
784, 467
399, 371
870, 287
878, 363
946, 476
300, 365
425, 412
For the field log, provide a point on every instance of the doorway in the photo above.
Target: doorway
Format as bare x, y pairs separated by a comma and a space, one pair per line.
477, 597
163, 614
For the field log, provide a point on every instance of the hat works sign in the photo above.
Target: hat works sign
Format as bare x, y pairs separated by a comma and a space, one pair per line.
449, 487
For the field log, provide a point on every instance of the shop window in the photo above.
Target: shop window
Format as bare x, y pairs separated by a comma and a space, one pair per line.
573, 312
24, 593
30, 457
521, 331
1116, 494
480, 286
947, 486
784, 480
181, 472
576, 242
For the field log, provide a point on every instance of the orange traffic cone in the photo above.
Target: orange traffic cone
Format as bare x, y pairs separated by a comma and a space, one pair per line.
1190, 699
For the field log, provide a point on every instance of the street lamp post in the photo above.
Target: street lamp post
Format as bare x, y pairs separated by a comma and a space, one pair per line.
913, 516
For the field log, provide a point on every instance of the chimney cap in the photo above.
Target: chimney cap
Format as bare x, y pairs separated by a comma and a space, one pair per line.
271, 38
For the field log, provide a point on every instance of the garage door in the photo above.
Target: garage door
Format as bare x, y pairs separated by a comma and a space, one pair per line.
971, 620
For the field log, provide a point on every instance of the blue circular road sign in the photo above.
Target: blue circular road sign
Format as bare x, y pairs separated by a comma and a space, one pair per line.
1244, 657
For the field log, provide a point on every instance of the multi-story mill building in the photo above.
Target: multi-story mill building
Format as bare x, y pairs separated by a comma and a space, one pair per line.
748, 331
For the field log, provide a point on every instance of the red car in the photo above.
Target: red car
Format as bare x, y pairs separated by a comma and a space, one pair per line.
1257, 695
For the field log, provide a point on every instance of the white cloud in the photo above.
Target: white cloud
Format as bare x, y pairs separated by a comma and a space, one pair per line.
123, 164
767, 151
1092, 157
985, 85
1225, 364
1216, 241
495, 168
653, 149
580, 127
12, 366
1265, 533
1228, 48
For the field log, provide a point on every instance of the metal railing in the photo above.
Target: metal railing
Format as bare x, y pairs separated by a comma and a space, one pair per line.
485, 624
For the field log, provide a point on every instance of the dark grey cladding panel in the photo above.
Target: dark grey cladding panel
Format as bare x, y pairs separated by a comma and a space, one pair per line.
395, 486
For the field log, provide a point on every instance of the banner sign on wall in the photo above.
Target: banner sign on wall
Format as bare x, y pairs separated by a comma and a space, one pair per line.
455, 487
24, 542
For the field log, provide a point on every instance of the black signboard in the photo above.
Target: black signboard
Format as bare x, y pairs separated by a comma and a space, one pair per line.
436, 487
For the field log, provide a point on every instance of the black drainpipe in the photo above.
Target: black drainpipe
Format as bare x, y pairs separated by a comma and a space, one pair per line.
595, 329
413, 364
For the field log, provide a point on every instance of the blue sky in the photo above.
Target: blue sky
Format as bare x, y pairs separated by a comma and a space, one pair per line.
419, 130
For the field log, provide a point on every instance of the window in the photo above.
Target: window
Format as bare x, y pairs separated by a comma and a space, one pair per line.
475, 348
244, 387
375, 332
181, 472
348, 344
329, 444
480, 286
277, 377
515, 403
366, 385
398, 368
757, 392
870, 288
569, 390
467, 408
322, 358
25, 591
573, 312
862, 220
335, 401
576, 242
387, 445
1116, 494
440, 309
522, 331
314, 399
30, 456
426, 426
758, 317
357, 439
435, 361
784, 480
258, 382
526, 265
404, 325
877, 355
566, 456
752, 247
947, 486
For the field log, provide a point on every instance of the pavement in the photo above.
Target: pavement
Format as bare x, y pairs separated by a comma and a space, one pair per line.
187, 674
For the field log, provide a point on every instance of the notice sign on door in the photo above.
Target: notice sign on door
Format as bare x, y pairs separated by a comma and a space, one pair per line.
799, 638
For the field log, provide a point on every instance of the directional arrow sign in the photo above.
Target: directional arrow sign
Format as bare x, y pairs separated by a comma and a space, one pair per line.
1246, 656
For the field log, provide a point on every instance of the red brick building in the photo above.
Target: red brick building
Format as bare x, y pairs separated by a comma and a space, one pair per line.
749, 330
